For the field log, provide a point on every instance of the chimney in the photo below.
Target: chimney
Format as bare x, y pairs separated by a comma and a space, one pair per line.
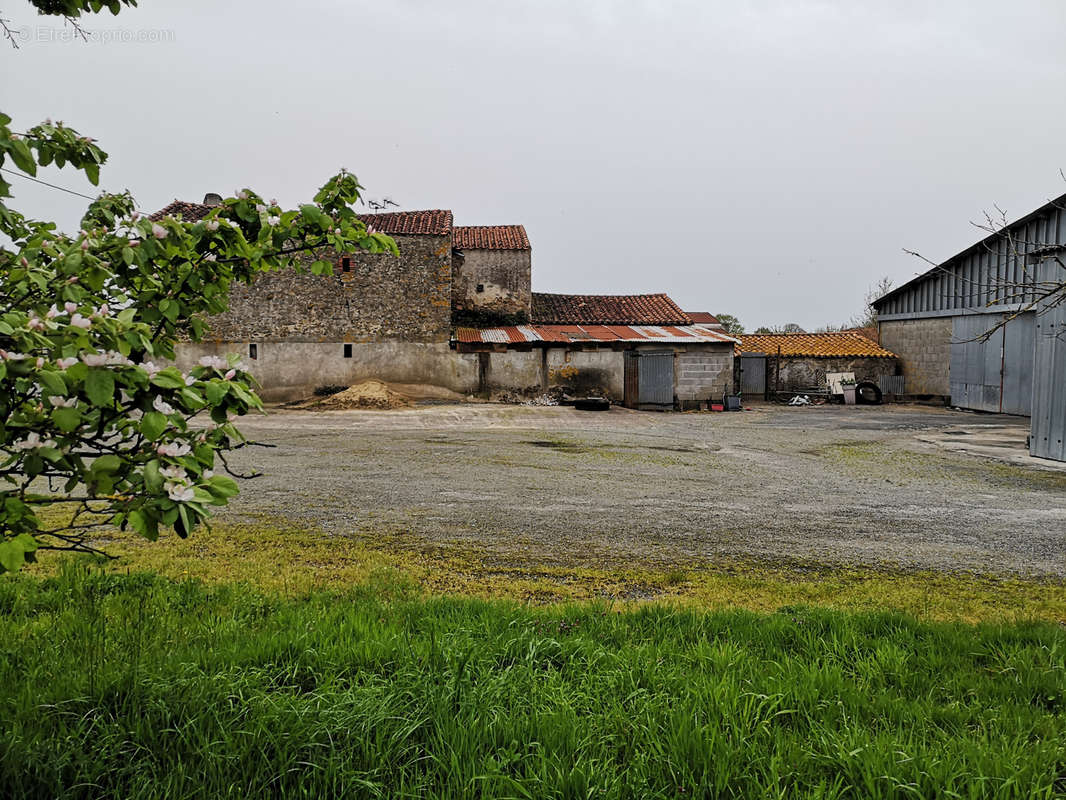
212, 199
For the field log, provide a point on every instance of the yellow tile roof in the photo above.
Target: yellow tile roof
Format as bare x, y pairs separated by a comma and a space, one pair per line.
842, 344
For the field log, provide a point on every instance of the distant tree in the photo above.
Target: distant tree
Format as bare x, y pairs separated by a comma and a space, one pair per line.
730, 323
788, 327
867, 318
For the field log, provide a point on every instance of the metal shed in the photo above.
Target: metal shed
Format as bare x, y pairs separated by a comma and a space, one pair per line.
943, 327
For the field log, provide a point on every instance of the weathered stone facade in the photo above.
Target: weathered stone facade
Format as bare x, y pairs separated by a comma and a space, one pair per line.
492, 282
374, 298
795, 373
924, 350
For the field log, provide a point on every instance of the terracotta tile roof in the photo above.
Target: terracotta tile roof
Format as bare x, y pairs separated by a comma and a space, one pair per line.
703, 317
844, 344
190, 212
606, 309
432, 223
437, 222
490, 237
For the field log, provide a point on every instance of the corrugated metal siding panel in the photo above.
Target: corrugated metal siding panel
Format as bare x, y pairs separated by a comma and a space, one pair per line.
1048, 433
657, 379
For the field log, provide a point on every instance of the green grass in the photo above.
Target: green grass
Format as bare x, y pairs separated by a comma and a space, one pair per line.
141, 686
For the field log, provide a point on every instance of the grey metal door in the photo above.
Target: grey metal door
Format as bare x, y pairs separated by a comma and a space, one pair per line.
656, 380
753, 373
1048, 433
994, 373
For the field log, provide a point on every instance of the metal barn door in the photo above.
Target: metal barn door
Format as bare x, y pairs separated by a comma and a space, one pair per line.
656, 380
753, 374
1048, 433
995, 374
631, 380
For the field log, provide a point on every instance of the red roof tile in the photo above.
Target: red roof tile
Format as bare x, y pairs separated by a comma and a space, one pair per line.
430, 223
843, 344
189, 212
490, 237
604, 309
437, 222
703, 317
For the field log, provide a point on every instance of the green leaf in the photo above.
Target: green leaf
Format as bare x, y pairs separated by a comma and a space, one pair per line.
223, 486
26, 542
21, 155
144, 525
107, 464
66, 419
216, 390
169, 378
92, 172
53, 382
153, 481
100, 386
153, 424
12, 557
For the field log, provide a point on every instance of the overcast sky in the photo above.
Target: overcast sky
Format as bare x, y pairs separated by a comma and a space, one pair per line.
768, 159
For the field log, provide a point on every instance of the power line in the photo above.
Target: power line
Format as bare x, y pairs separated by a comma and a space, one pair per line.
45, 183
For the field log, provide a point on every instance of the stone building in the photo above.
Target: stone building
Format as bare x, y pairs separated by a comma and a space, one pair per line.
437, 314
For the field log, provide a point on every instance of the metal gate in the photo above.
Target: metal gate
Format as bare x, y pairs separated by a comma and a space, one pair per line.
993, 374
1048, 433
656, 380
753, 373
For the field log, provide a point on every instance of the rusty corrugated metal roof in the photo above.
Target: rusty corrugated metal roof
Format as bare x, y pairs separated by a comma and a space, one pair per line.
568, 334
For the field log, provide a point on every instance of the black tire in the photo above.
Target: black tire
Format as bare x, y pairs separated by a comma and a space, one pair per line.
868, 394
592, 404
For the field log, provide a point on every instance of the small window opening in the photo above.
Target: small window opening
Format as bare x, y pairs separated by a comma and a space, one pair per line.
253, 351
346, 264
347, 351
480, 288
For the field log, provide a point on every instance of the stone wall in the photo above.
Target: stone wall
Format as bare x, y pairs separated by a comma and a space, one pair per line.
293, 370
924, 350
504, 280
797, 374
381, 298
703, 373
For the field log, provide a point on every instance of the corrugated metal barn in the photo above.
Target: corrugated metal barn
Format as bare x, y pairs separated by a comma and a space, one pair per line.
943, 327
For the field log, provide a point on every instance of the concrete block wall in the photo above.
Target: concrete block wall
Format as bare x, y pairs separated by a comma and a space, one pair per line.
703, 373
924, 350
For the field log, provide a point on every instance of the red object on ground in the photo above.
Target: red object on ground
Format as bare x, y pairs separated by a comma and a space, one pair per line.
717, 407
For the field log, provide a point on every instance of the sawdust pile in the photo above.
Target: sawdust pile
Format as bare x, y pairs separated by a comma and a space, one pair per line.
368, 394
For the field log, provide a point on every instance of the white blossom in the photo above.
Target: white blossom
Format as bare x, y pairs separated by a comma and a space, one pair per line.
207, 474
62, 402
189, 380
179, 493
162, 406
214, 362
66, 363
242, 195
34, 323
150, 368
52, 313
210, 257
158, 231
174, 449
78, 321
39, 362
211, 224
32, 441
230, 374
260, 207
11, 356
273, 221
175, 474
70, 308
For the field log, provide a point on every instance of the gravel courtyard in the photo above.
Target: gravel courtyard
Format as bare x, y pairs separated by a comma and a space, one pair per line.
875, 486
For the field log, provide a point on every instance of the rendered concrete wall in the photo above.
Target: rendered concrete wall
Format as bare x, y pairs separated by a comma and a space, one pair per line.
924, 350
587, 372
514, 371
504, 278
292, 370
703, 373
